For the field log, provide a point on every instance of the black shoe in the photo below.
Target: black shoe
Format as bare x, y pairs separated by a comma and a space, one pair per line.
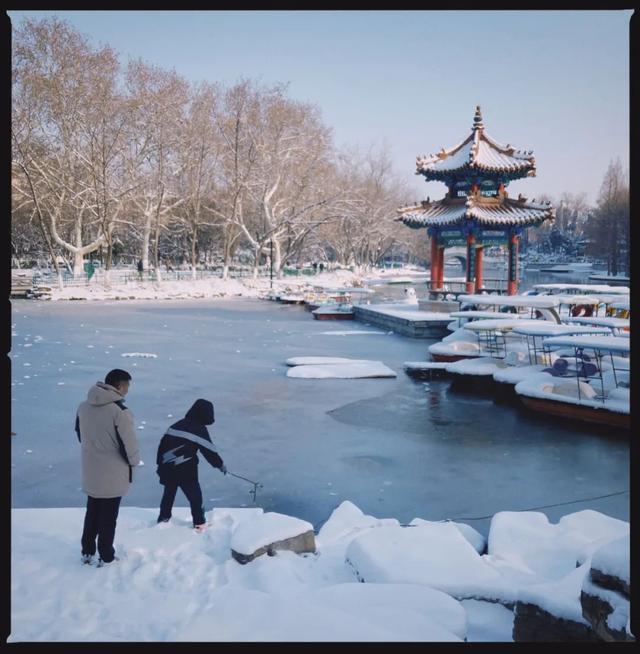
163, 520
102, 564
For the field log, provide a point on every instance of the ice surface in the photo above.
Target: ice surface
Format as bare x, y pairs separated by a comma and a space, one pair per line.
436, 446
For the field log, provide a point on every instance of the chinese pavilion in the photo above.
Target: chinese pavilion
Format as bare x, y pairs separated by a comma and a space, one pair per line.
476, 210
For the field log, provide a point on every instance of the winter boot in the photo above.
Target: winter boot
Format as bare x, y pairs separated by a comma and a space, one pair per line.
103, 564
87, 559
200, 528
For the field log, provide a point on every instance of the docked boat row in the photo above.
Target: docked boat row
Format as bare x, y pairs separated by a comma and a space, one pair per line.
534, 348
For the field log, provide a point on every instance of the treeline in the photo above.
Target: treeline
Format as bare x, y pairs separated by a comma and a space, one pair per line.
135, 162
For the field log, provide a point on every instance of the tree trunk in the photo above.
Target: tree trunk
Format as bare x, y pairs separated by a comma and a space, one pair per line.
194, 241
146, 239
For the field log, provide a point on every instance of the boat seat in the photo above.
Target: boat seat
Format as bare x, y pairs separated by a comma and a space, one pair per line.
559, 368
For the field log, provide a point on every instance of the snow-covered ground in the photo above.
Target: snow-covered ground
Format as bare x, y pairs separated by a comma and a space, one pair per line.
211, 287
427, 581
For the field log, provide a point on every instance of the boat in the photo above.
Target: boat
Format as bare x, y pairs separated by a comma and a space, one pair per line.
334, 311
596, 390
463, 343
291, 299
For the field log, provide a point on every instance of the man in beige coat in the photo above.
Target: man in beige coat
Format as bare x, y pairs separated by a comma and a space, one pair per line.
107, 436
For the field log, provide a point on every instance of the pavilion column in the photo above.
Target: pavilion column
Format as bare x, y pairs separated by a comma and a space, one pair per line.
512, 284
471, 263
479, 262
441, 267
434, 262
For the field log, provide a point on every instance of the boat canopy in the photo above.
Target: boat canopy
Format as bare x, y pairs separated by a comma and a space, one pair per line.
501, 323
551, 329
603, 343
532, 301
612, 323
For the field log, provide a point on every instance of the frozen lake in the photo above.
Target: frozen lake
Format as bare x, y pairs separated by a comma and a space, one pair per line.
395, 447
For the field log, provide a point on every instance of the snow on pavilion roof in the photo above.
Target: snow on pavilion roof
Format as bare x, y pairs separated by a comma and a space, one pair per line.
494, 211
477, 153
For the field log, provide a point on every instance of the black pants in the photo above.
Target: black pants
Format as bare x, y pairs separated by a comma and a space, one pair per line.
193, 493
100, 521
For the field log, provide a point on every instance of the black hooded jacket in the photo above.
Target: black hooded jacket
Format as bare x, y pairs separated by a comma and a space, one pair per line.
177, 452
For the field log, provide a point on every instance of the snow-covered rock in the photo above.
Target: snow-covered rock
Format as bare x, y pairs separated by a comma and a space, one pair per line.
434, 554
269, 532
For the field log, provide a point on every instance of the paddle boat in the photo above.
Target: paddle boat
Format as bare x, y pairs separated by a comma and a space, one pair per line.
592, 385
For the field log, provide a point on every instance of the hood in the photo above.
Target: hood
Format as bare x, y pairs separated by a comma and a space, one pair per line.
201, 411
103, 393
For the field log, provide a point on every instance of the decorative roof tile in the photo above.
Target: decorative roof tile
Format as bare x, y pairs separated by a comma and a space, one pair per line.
493, 211
477, 152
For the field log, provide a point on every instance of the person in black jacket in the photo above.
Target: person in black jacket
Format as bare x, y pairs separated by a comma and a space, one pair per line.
178, 462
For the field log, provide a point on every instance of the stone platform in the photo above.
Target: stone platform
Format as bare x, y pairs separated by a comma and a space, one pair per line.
405, 319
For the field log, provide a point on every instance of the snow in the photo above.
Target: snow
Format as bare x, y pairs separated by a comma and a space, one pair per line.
619, 323
413, 576
141, 355
501, 323
515, 374
408, 312
341, 371
306, 361
351, 332
567, 391
603, 343
533, 301
266, 528
434, 554
550, 552
482, 367
488, 622
618, 619
545, 328
613, 559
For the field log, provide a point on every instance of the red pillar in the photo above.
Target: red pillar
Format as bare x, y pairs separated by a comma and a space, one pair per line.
471, 263
441, 267
479, 258
512, 284
434, 262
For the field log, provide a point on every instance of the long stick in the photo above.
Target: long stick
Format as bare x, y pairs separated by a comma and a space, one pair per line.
256, 484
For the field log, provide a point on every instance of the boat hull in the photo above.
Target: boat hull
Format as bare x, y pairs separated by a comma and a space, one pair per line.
450, 358
338, 315
577, 412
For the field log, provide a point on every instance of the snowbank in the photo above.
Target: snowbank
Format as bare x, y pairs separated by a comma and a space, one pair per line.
210, 287
197, 592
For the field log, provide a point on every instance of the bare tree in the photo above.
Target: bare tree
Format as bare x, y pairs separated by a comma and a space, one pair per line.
157, 101
65, 129
608, 229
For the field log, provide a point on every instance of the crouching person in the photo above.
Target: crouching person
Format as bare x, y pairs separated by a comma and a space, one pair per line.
178, 462
105, 429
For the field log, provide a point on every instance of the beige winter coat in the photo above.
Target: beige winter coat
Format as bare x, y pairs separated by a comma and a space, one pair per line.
106, 459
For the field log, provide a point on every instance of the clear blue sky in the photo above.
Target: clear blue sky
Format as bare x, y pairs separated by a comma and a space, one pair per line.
555, 82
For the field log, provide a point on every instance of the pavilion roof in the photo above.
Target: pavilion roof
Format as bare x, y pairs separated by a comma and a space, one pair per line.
478, 153
494, 212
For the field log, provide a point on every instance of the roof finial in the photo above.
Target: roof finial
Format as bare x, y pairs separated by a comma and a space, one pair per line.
477, 119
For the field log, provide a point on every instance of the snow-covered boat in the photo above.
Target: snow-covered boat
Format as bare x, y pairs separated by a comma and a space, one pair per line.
464, 344
595, 390
291, 299
334, 311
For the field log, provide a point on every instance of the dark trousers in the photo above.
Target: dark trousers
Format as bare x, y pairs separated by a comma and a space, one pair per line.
100, 522
193, 493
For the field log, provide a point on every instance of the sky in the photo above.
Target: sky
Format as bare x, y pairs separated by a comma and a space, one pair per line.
555, 82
